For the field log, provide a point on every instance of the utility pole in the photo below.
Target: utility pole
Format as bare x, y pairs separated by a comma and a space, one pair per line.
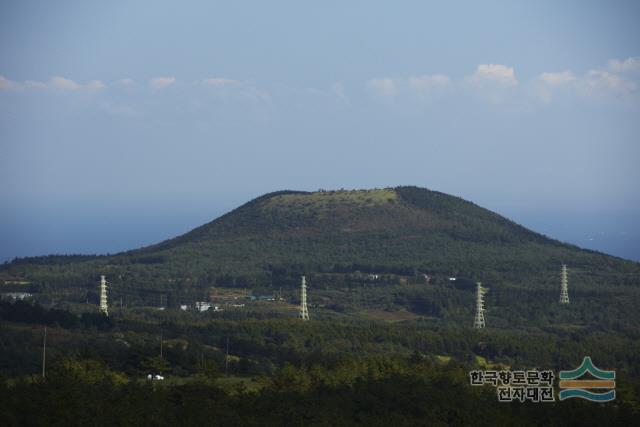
478, 322
564, 285
44, 352
161, 343
103, 296
304, 311
226, 361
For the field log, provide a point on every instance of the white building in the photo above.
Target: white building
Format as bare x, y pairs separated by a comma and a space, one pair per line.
18, 295
203, 305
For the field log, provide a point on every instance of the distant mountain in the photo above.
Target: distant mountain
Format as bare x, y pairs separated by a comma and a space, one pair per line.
402, 230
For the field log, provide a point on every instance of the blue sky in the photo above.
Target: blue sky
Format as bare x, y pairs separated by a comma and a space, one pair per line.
125, 123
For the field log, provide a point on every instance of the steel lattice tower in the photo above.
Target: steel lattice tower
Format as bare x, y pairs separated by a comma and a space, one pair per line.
103, 296
564, 285
304, 312
478, 322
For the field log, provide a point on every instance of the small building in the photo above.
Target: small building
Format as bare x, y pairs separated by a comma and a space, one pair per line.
261, 298
203, 306
17, 295
155, 377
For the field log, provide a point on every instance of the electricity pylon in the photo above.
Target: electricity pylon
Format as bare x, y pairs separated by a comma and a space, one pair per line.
478, 322
103, 296
304, 312
564, 285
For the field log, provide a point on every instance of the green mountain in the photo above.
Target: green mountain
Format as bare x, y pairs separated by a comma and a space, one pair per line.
403, 231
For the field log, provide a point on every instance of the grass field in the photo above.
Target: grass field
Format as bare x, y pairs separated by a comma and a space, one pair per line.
327, 199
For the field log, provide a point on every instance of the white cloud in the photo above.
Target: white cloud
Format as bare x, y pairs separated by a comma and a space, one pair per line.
56, 83
409, 89
337, 89
222, 86
383, 87
126, 82
95, 86
254, 93
613, 79
32, 84
428, 83
627, 65
495, 83
601, 79
544, 86
161, 82
6, 84
556, 79
62, 83
496, 73
616, 78
220, 82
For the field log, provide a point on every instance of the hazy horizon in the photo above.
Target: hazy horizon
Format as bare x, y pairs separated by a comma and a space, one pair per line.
123, 124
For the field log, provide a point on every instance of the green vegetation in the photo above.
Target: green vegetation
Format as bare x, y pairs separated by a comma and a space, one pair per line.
389, 340
282, 372
374, 391
271, 240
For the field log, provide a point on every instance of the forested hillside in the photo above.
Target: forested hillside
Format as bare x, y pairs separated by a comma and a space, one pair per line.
405, 230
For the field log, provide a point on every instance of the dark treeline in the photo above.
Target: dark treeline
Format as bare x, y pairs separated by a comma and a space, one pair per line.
375, 391
28, 312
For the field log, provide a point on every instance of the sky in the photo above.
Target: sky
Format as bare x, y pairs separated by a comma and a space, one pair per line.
126, 123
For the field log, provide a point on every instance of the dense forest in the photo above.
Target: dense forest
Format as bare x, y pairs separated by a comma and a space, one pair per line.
386, 392
261, 367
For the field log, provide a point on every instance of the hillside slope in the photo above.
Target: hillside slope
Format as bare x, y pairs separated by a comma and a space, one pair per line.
403, 230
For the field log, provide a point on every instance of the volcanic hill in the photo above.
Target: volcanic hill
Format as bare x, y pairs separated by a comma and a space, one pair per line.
402, 230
